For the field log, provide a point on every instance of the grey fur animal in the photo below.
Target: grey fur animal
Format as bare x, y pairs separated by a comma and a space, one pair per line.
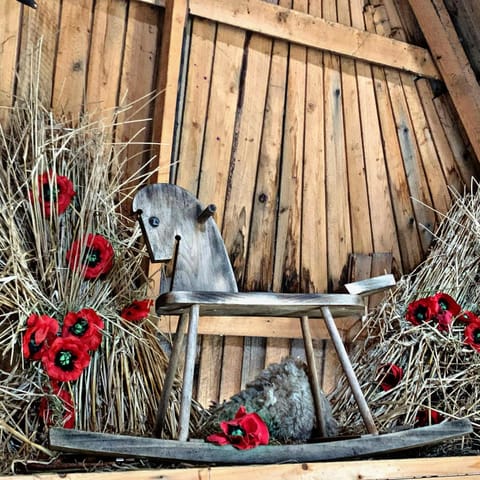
282, 396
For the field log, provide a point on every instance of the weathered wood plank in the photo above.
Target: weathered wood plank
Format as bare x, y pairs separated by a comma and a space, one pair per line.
466, 162
72, 59
165, 111
259, 268
313, 274
39, 27
199, 76
217, 303
310, 31
231, 375
438, 468
277, 328
105, 60
356, 145
123, 445
452, 63
286, 274
339, 232
10, 11
447, 160
217, 147
245, 153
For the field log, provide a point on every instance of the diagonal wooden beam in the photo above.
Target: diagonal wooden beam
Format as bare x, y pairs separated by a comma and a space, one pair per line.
453, 64
308, 30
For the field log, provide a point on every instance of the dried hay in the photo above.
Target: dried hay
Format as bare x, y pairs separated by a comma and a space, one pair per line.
119, 390
441, 372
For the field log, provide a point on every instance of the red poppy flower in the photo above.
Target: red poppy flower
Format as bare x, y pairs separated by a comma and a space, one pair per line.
86, 325
445, 319
65, 359
55, 193
93, 256
468, 317
41, 332
445, 302
391, 376
421, 311
62, 402
427, 417
245, 431
137, 310
472, 335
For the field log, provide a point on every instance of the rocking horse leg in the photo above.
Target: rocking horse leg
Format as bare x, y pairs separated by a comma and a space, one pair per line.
348, 369
170, 375
314, 378
188, 374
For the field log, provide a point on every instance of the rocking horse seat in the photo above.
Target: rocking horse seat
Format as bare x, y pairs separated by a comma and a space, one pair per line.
260, 304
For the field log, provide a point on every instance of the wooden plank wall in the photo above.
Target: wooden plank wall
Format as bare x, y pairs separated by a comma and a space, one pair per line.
309, 156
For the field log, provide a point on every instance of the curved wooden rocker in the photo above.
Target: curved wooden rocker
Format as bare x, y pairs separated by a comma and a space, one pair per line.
179, 229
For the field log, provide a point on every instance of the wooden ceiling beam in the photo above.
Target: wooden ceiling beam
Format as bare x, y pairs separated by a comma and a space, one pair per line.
453, 64
308, 30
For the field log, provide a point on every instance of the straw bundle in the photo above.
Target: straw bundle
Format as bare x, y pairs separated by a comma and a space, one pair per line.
119, 389
440, 372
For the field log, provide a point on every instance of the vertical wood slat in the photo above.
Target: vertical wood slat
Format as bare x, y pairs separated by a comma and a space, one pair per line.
391, 25
287, 249
38, 27
241, 186
356, 158
171, 47
72, 59
452, 63
197, 91
219, 136
261, 247
338, 209
105, 60
10, 14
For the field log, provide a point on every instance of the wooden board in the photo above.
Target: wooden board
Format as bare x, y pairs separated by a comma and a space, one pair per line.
10, 12
438, 468
200, 452
304, 29
453, 64
72, 59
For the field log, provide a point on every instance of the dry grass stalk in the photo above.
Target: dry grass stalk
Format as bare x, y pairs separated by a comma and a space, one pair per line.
441, 372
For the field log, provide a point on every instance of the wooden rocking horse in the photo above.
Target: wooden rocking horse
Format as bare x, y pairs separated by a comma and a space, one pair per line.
179, 229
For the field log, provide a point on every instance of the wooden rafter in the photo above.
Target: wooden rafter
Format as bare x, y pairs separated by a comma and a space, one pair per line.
308, 30
452, 63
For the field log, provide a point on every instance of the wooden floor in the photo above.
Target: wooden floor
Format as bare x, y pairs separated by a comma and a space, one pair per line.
446, 468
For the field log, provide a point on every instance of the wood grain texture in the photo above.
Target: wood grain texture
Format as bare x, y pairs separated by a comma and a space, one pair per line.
259, 303
123, 445
10, 12
438, 468
453, 64
72, 59
304, 29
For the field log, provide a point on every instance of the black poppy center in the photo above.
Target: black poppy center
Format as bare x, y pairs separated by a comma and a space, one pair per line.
390, 379
235, 431
92, 257
79, 327
443, 304
33, 346
65, 360
476, 335
421, 313
49, 194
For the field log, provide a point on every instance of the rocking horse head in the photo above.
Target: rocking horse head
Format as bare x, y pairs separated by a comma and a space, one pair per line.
179, 229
